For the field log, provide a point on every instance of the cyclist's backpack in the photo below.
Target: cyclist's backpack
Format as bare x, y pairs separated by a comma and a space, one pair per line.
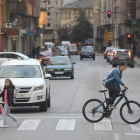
106, 77
14, 96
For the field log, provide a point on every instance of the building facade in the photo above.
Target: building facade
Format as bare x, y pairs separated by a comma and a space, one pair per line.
113, 31
20, 22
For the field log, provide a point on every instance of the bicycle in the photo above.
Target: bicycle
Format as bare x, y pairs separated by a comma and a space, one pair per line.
99, 109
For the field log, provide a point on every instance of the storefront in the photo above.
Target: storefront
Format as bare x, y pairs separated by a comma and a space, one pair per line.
14, 41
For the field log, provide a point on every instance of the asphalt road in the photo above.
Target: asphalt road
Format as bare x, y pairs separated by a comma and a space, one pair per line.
64, 120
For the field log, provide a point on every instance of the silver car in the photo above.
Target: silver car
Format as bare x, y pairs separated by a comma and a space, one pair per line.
4, 56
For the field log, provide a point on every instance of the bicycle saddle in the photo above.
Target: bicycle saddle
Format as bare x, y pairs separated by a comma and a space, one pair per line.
102, 91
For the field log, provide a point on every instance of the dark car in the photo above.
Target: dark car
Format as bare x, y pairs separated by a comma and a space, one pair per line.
60, 66
123, 55
87, 52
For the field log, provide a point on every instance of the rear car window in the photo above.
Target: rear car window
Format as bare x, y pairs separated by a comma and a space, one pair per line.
119, 53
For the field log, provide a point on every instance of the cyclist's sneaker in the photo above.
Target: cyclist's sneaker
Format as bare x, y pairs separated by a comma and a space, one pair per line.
111, 106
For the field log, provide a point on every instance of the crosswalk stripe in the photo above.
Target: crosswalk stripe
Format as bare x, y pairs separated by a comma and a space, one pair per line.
135, 127
66, 124
1, 122
29, 124
103, 125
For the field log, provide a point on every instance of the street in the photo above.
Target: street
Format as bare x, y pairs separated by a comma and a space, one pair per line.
64, 119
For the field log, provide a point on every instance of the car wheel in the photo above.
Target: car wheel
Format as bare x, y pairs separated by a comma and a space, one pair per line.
110, 62
76, 53
93, 57
44, 105
72, 77
81, 58
113, 65
49, 100
132, 66
104, 57
107, 60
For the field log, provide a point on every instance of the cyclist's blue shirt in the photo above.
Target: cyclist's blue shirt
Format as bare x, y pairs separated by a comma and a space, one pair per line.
117, 74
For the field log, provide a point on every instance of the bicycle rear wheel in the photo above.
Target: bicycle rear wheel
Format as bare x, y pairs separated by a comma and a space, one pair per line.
93, 111
130, 112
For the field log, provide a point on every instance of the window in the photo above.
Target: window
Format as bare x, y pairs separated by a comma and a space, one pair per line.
129, 12
49, 9
89, 13
65, 14
69, 14
49, 24
56, 14
14, 56
4, 56
49, 20
56, 2
49, 13
49, 2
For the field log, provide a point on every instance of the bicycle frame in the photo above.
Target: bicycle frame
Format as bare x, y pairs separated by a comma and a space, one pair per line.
117, 102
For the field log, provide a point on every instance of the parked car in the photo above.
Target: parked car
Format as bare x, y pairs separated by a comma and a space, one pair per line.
64, 51
60, 66
31, 81
125, 55
73, 49
4, 56
87, 52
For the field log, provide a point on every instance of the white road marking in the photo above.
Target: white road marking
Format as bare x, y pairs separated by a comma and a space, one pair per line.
116, 136
29, 125
132, 134
66, 124
1, 122
103, 125
135, 127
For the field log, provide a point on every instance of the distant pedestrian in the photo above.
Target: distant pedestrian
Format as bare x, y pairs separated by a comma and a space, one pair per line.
7, 97
134, 50
138, 51
38, 49
33, 52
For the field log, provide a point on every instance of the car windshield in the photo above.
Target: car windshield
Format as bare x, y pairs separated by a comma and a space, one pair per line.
20, 71
59, 61
49, 46
89, 48
24, 56
72, 48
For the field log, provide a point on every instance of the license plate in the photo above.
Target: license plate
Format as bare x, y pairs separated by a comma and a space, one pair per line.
121, 58
20, 95
59, 72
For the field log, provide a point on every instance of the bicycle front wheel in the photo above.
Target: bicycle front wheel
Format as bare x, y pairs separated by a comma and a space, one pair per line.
93, 110
130, 112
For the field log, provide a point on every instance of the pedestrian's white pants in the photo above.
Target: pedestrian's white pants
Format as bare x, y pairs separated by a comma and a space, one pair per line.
6, 113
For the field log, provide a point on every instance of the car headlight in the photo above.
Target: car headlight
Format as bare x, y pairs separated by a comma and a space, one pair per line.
68, 69
39, 87
39, 60
50, 69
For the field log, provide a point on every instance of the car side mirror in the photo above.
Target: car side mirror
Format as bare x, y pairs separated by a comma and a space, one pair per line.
73, 62
48, 76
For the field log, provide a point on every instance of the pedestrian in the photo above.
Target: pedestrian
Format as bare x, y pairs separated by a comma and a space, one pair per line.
114, 81
33, 52
7, 97
38, 49
46, 52
134, 50
138, 51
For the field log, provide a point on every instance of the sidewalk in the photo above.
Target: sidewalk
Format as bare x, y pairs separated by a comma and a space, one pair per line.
137, 60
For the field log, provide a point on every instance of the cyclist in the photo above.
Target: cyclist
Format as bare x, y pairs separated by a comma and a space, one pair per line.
114, 81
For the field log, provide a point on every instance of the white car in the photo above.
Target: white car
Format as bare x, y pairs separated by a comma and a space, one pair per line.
30, 79
4, 56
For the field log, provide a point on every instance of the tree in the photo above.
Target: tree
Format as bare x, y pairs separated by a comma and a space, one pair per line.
83, 30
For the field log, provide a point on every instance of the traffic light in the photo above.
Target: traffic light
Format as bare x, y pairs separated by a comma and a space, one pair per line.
129, 36
109, 14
